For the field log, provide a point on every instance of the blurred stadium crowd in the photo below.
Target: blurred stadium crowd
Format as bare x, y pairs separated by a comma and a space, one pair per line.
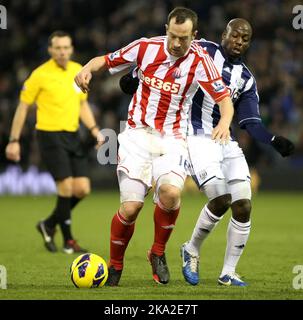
98, 27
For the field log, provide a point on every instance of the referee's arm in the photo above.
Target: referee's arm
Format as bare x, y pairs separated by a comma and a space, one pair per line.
12, 150
88, 119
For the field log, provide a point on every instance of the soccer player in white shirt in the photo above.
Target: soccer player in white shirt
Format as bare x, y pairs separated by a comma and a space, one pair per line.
221, 171
170, 68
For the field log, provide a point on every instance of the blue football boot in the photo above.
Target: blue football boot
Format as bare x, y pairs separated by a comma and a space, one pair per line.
231, 279
190, 266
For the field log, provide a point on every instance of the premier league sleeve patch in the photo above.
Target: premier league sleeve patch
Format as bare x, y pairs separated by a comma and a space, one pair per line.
114, 55
218, 86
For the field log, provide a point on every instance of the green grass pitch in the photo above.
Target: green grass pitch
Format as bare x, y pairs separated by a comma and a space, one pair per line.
274, 248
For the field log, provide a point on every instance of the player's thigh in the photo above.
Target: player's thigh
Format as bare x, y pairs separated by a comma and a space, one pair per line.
170, 171
173, 159
79, 165
78, 157
239, 190
234, 164
134, 156
236, 172
132, 194
215, 188
205, 157
131, 189
54, 155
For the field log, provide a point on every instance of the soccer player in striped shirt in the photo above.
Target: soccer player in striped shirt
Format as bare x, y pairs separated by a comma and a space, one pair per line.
171, 68
223, 174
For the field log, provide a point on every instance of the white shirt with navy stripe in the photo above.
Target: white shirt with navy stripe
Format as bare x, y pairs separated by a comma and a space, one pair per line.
204, 114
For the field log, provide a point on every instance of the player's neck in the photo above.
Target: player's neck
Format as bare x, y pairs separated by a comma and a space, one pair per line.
62, 65
231, 59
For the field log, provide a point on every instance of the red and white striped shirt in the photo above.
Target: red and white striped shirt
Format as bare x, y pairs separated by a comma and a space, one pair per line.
167, 83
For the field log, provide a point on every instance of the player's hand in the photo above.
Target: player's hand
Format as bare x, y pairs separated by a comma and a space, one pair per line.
128, 83
284, 146
221, 133
99, 137
12, 151
82, 79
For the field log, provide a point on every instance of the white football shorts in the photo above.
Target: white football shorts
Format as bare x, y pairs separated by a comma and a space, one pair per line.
211, 160
146, 154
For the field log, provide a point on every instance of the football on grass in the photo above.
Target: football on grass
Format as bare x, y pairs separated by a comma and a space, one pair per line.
89, 271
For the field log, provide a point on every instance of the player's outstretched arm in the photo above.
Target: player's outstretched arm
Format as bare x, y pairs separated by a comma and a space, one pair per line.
221, 132
83, 78
281, 144
12, 150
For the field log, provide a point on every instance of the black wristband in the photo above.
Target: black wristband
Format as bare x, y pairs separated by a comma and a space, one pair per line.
12, 140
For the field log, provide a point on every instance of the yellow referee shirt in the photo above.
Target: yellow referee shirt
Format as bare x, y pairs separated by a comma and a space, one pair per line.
57, 96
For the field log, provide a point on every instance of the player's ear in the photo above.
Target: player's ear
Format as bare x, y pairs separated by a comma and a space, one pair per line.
195, 34
166, 28
49, 50
224, 34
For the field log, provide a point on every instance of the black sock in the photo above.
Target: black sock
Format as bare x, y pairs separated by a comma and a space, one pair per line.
74, 201
62, 214
64, 217
52, 220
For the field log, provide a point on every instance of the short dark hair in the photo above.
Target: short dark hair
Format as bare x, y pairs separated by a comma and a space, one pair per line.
182, 14
58, 33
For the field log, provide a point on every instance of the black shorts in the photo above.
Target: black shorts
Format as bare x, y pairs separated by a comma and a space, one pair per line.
62, 153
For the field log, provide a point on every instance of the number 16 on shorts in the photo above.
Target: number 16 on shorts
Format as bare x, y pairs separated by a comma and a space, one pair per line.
184, 163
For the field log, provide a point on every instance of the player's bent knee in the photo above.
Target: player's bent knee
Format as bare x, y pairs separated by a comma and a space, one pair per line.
81, 192
220, 205
81, 187
130, 210
241, 210
65, 187
168, 191
169, 196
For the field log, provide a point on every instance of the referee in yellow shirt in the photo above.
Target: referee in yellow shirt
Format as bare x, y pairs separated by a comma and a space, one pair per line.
60, 105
